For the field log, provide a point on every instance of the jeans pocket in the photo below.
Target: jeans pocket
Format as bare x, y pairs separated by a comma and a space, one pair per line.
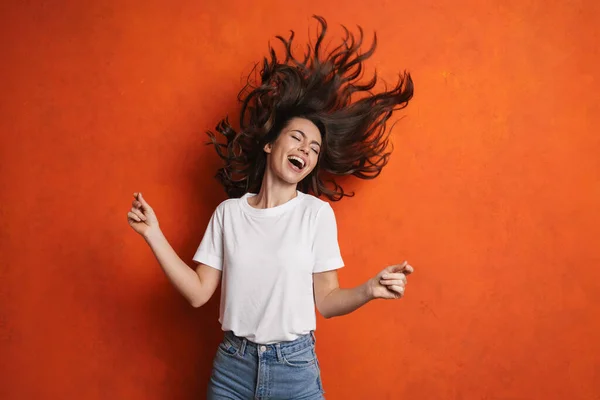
300, 358
227, 348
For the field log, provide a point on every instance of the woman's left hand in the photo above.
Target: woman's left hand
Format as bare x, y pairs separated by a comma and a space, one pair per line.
391, 282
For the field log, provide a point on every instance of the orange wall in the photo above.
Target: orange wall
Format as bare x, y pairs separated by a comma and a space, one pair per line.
492, 194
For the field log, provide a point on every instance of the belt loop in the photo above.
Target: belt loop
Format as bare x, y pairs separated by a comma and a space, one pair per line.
243, 347
278, 350
314, 338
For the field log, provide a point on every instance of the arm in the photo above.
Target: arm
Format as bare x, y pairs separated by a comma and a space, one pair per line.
196, 286
330, 299
333, 301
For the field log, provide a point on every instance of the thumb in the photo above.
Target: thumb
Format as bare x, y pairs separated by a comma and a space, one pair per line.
398, 267
143, 201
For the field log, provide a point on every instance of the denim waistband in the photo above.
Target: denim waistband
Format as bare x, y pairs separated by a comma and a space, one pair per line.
242, 344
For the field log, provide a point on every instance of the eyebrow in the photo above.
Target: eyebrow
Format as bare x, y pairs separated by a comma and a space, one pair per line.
303, 134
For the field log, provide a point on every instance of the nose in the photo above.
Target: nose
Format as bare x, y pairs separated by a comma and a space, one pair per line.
303, 148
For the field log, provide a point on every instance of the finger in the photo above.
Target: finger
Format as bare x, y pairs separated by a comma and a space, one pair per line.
133, 217
139, 213
397, 289
136, 204
408, 270
390, 282
397, 267
399, 276
144, 203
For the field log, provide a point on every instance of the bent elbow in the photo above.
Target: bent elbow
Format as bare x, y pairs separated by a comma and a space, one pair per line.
197, 302
326, 314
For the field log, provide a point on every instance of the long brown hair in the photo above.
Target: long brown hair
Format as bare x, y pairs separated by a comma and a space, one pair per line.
320, 88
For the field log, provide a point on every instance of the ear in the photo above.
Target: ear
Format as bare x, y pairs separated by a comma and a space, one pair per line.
268, 148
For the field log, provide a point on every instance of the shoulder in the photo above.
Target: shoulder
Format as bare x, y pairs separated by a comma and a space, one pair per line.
229, 203
227, 206
315, 206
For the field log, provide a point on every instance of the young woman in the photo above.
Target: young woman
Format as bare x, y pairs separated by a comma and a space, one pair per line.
273, 244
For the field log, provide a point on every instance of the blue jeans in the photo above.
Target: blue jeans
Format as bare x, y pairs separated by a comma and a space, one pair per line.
243, 370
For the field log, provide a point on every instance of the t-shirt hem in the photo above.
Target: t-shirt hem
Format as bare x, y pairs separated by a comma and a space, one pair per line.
329, 265
209, 260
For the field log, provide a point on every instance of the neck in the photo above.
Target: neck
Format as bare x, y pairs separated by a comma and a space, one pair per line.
273, 192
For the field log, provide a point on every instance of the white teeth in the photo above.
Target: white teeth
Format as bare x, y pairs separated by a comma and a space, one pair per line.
301, 161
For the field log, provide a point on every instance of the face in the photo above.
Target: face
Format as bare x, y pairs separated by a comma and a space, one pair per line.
295, 152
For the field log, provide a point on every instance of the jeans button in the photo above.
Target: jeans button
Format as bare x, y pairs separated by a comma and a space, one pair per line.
263, 349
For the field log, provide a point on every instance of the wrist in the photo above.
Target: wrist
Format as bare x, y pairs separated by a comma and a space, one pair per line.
368, 290
152, 234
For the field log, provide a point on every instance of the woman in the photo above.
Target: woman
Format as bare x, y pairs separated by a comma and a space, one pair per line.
272, 244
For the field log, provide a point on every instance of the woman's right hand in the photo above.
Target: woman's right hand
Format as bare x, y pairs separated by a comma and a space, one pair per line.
141, 217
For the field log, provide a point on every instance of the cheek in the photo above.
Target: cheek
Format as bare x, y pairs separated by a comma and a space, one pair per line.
313, 162
278, 153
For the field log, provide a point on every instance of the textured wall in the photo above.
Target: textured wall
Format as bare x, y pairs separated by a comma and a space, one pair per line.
492, 194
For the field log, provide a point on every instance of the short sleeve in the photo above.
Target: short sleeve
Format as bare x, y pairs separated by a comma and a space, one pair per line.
210, 250
326, 249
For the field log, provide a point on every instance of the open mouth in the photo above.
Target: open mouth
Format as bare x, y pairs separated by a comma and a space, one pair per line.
296, 162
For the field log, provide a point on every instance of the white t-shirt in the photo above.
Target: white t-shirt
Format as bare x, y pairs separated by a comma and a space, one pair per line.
268, 257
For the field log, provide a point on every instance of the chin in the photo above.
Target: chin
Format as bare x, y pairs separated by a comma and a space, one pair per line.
289, 176
292, 179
